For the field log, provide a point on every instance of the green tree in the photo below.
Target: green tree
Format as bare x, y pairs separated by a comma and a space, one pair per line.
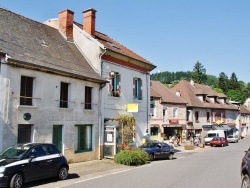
233, 82
218, 90
235, 95
211, 81
199, 73
246, 91
223, 82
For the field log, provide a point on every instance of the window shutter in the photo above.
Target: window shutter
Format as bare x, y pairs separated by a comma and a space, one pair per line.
133, 86
119, 80
140, 89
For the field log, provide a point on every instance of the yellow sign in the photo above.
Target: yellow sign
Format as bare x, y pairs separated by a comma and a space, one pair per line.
132, 107
218, 122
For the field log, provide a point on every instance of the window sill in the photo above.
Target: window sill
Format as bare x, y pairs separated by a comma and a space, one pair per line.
138, 100
89, 110
27, 106
113, 97
66, 109
83, 151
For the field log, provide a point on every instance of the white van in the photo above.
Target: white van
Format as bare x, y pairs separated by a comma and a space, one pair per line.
214, 133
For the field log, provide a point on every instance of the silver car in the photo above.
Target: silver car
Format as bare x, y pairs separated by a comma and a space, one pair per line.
233, 138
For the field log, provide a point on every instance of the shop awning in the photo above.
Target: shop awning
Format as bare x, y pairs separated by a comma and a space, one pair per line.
217, 127
227, 127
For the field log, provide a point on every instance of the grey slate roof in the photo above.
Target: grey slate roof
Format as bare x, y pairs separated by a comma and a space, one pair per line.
35, 44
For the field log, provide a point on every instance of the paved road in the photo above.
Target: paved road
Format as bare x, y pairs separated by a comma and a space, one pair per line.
217, 168
204, 167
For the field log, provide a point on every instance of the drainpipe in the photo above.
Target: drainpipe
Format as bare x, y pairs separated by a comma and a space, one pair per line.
100, 109
148, 106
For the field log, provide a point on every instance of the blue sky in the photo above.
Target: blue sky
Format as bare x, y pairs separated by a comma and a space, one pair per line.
172, 34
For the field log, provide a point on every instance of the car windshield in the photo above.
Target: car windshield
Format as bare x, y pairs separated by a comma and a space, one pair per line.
210, 135
149, 145
230, 136
14, 152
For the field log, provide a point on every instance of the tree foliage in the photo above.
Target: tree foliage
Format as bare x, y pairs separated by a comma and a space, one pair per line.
199, 73
127, 124
235, 95
223, 82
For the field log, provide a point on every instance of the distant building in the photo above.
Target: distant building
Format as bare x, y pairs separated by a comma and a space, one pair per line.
206, 109
167, 112
244, 120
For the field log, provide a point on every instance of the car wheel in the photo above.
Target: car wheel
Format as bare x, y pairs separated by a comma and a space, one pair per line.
222, 145
63, 173
16, 181
170, 157
245, 181
151, 157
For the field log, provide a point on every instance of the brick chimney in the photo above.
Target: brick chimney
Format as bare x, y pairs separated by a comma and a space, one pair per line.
66, 18
89, 21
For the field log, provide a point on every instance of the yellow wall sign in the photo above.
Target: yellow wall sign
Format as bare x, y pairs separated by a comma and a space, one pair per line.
132, 107
218, 122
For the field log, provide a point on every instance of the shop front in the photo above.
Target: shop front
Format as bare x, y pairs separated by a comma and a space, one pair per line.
173, 129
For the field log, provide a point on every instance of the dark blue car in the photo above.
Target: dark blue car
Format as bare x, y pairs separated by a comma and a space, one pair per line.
158, 150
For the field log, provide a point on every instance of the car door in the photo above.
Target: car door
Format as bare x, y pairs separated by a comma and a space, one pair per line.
158, 151
165, 150
38, 166
53, 159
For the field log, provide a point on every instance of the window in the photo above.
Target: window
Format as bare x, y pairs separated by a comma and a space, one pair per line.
175, 110
88, 97
38, 151
64, 95
164, 115
24, 133
208, 117
84, 138
154, 131
196, 116
114, 86
26, 90
152, 107
137, 88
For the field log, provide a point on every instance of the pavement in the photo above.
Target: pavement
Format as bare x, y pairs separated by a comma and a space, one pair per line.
108, 166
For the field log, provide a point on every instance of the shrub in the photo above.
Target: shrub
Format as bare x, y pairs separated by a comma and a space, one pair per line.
131, 157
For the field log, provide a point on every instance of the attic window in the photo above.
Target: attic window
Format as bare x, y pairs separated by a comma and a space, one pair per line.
113, 45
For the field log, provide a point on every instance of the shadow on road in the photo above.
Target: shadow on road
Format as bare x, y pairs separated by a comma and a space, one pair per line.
49, 180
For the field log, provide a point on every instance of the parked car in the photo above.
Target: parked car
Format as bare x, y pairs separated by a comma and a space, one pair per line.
245, 170
233, 138
27, 162
214, 133
218, 141
158, 150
